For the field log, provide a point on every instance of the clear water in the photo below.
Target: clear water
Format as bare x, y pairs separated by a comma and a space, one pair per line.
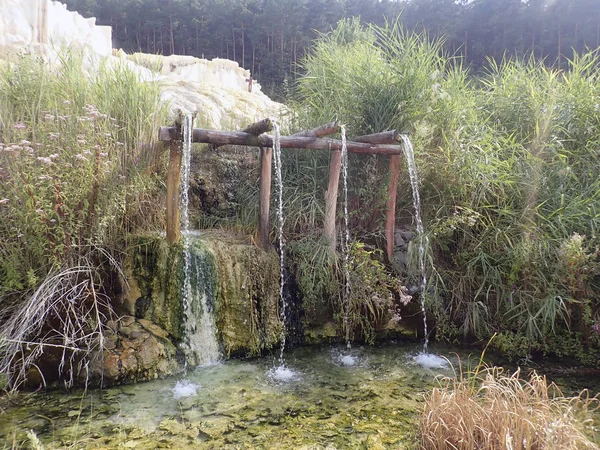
200, 344
324, 396
369, 397
414, 183
346, 237
281, 237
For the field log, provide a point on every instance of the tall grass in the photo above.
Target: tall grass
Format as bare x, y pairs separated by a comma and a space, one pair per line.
491, 410
76, 177
510, 181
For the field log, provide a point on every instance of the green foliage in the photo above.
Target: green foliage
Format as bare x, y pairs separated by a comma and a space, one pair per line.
318, 274
74, 173
375, 294
510, 183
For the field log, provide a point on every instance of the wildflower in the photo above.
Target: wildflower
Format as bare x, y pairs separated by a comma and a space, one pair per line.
81, 141
40, 211
44, 160
3, 201
120, 144
53, 136
103, 155
53, 156
81, 157
67, 102
44, 178
29, 150
48, 117
25, 142
596, 327
19, 126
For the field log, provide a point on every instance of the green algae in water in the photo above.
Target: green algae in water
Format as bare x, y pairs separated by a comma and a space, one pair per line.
370, 404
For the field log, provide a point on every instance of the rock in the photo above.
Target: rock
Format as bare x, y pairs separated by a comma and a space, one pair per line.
154, 329
111, 366
125, 321
148, 353
129, 363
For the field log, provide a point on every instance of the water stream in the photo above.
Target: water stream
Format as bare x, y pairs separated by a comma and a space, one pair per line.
414, 183
346, 238
200, 344
281, 372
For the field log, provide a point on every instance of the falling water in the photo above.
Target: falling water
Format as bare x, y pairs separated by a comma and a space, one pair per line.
200, 344
280, 222
414, 182
346, 237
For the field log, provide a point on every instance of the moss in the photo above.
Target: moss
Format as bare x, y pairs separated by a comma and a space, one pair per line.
157, 272
247, 297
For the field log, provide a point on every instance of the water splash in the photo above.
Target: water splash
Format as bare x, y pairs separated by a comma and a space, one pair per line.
280, 223
423, 240
346, 238
199, 345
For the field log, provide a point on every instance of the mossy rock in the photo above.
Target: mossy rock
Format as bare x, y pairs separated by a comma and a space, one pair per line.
244, 282
155, 276
247, 299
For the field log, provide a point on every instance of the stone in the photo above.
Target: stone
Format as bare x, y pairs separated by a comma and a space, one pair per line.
154, 329
149, 353
129, 363
125, 321
111, 365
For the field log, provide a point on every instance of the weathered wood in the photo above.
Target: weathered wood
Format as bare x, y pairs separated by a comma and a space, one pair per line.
323, 130
173, 187
264, 197
385, 137
390, 218
260, 127
241, 138
331, 195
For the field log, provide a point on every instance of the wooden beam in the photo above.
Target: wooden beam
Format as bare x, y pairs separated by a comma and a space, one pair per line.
241, 138
173, 186
390, 218
260, 127
323, 130
385, 137
264, 197
331, 198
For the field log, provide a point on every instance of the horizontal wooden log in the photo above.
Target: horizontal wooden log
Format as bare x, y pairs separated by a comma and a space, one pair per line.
385, 137
260, 127
240, 138
323, 130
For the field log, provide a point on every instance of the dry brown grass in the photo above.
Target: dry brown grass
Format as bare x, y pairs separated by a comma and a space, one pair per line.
491, 410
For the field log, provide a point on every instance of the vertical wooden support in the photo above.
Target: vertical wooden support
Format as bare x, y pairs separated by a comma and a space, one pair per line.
390, 218
331, 198
264, 197
173, 187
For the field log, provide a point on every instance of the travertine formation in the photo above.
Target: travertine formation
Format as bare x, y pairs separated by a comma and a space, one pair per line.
217, 89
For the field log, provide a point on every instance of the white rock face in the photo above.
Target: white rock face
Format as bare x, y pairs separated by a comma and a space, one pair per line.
40, 26
216, 89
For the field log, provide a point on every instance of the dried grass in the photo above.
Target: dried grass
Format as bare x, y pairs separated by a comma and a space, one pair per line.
491, 410
66, 314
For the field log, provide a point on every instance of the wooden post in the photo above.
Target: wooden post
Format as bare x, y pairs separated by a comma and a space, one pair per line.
390, 219
331, 198
264, 197
173, 187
